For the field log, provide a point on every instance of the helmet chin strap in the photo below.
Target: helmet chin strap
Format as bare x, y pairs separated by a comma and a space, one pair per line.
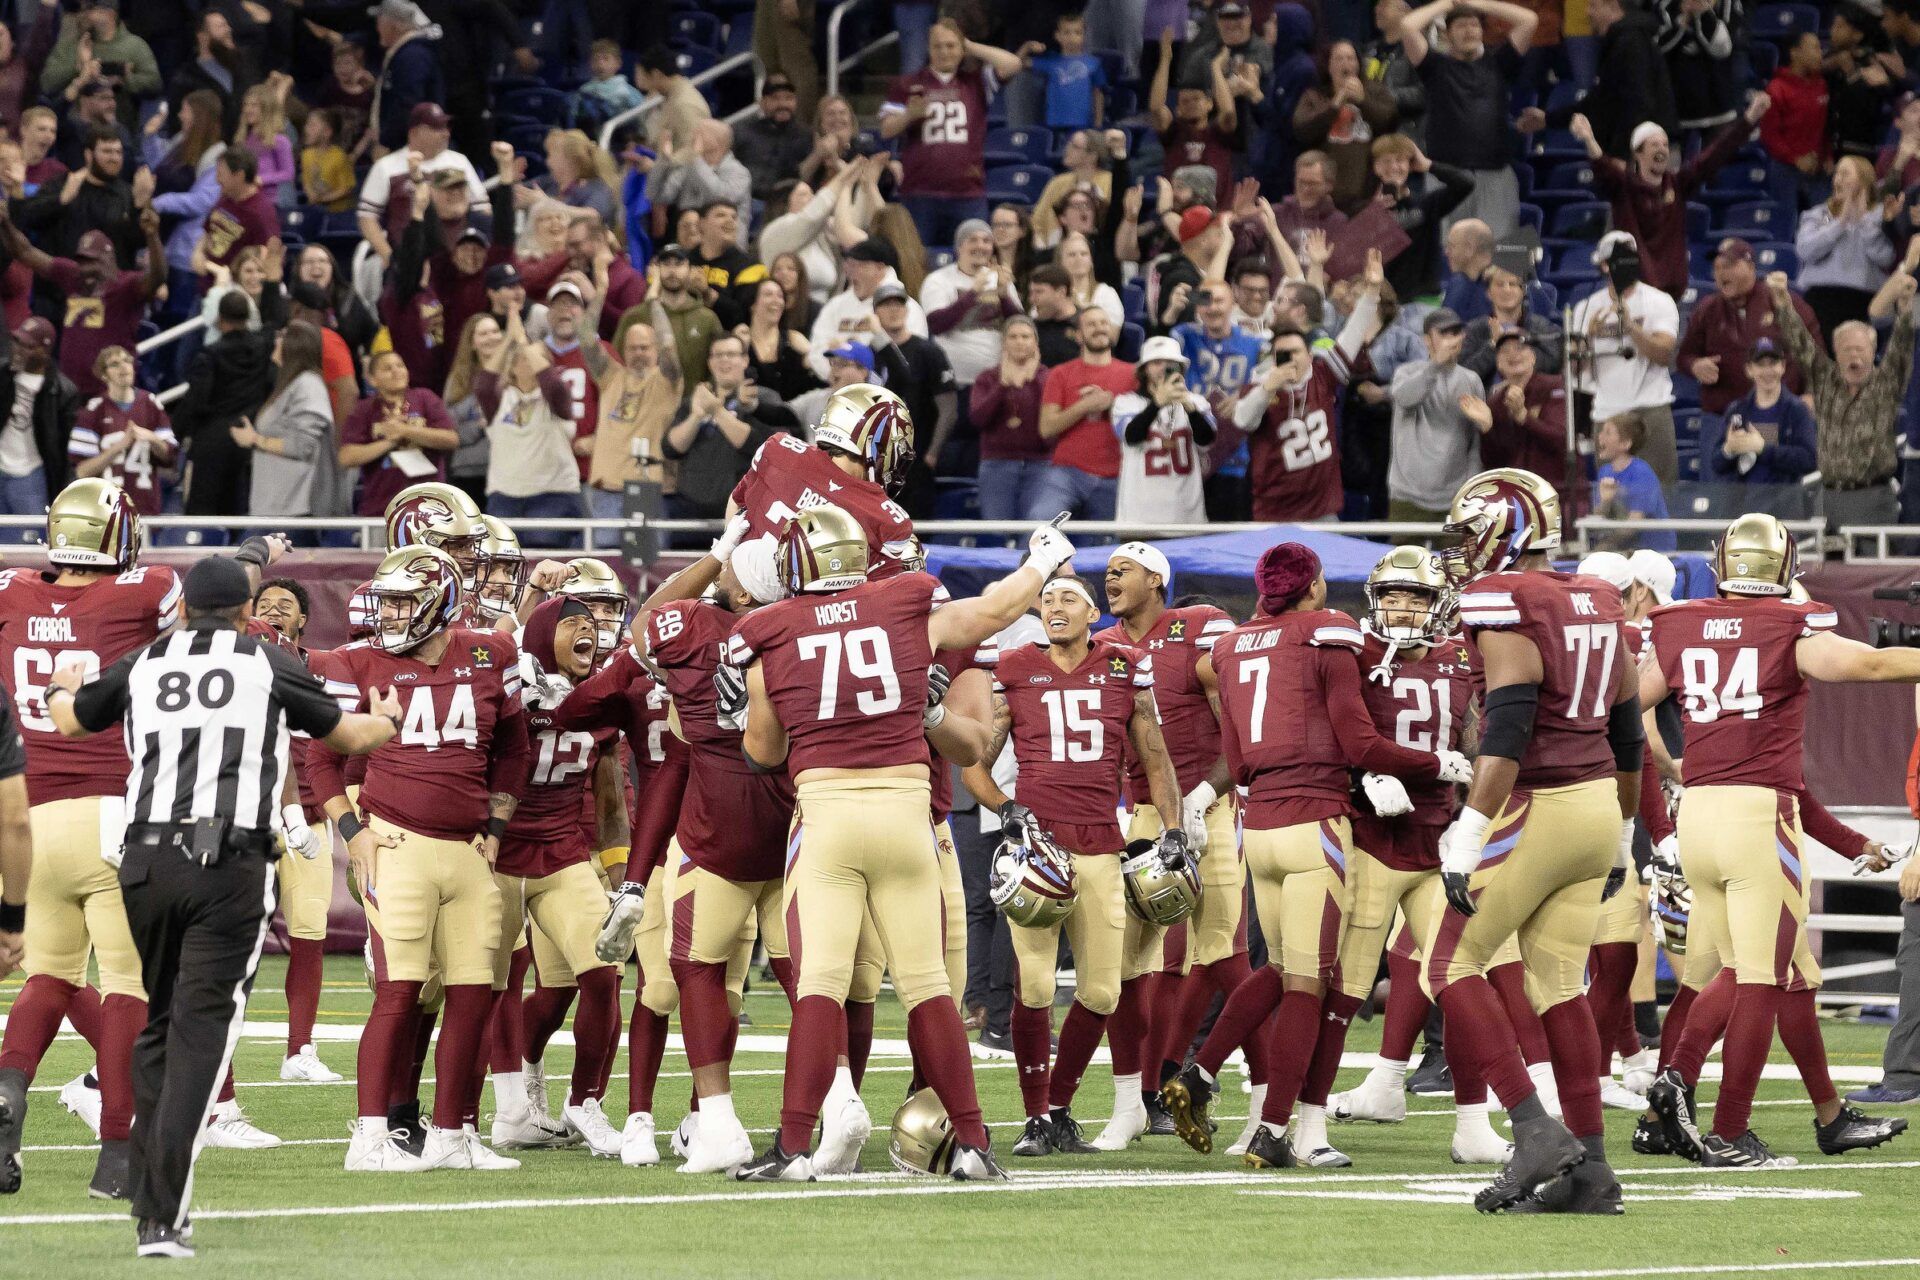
1382, 673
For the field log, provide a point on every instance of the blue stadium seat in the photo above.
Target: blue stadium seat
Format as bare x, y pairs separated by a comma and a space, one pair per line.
1783, 22
1583, 220
1562, 97
1128, 345
1776, 256
956, 498
1765, 56
1686, 392
1742, 181
1576, 260
694, 30
1018, 146
1686, 427
1699, 261
1699, 218
1574, 175
1523, 174
1689, 463
1532, 215
1558, 143
739, 37
1756, 220
1114, 63
1133, 299
536, 103
530, 136
938, 258
1018, 183
339, 232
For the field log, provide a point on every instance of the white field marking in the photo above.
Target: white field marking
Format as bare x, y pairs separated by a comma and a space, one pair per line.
1428, 1192
1741, 1269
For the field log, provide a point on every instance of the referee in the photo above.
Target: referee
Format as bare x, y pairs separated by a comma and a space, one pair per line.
207, 712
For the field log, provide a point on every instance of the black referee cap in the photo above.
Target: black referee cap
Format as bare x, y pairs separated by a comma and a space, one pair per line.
217, 583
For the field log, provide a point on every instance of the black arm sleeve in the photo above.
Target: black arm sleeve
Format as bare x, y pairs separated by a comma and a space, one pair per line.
309, 709
1507, 727
13, 751
1626, 735
101, 703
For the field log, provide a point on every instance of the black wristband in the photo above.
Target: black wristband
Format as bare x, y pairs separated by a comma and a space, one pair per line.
254, 551
350, 826
13, 917
497, 827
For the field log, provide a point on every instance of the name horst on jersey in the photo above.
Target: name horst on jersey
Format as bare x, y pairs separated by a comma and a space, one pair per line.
50, 630
836, 612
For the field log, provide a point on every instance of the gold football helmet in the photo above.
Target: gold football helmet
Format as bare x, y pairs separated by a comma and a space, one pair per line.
823, 549
438, 515
922, 1140
1756, 556
500, 571
1032, 880
424, 584
1158, 892
872, 424
1497, 517
93, 524
600, 589
1415, 570
915, 558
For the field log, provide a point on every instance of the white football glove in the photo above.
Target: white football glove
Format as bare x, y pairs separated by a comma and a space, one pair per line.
1461, 845
299, 835
730, 537
1387, 794
1047, 550
1193, 815
1622, 861
1666, 856
1454, 767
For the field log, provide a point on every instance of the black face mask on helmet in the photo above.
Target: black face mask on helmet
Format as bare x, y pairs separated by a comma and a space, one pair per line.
1623, 267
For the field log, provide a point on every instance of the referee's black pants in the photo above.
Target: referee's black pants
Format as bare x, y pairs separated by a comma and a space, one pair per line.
199, 931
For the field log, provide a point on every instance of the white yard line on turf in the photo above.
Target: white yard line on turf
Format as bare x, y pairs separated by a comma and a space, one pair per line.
1743, 1269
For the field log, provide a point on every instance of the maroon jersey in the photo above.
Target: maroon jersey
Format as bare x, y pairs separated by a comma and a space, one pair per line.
1293, 719
463, 734
554, 825
1205, 143
1421, 703
1177, 641
789, 476
1294, 451
624, 696
1070, 734
1734, 664
99, 427
847, 672
233, 225
956, 661
945, 153
382, 479
583, 393
1576, 623
95, 321
44, 627
732, 820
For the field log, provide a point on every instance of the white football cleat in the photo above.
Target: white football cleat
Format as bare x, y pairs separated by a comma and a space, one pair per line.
682, 1136
462, 1149
590, 1124
516, 1129
845, 1127
717, 1145
1375, 1099
230, 1128
1255, 1106
372, 1149
1320, 1157
1479, 1144
1637, 1072
83, 1100
534, 1074
614, 943
306, 1065
637, 1149
1128, 1123
1612, 1094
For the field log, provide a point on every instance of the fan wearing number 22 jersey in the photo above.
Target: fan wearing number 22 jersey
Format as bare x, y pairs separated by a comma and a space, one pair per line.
1294, 431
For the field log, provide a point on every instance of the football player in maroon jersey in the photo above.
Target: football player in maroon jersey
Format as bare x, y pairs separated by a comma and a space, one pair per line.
1547, 831
1740, 663
438, 797
837, 694
1072, 707
1293, 722
93, 605
1159, 1010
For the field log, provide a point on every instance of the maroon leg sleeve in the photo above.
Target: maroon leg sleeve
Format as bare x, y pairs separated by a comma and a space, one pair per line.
599, 1013
543, 1013
1577, 1063
305, 959
1187, 1005
1032, 1032
391, 1019
646, 1045
1509, 982
704, 1015
1296, 1028
1799, 1022
1477, 1027
83, 1011
1127, 1024
1749, 1036
456, 1095
859, 1040
1609, 994
1706, 1021
415, 1048
121, 1019
1407, 1007
940, 1045
33, 1022
1675, 1023
1247, 1008
1339, 1010
1079, 1037
505, 1043
810, 1067
786, 975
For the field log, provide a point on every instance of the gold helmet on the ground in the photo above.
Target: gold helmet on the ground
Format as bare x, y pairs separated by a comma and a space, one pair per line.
823, 549
1497, 517
93, 524
1756, 556
427, 581
1160, 890
598, 587
432, 514
500, 573
1416, 570
872, 424
922, 1140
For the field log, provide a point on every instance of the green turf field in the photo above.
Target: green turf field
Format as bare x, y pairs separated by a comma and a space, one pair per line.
1158, 1210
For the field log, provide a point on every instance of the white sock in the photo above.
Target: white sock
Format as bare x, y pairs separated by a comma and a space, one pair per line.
1605, 1081
1126, 1094
1205, 1074
1277, 1130
719, 1109
1311, 1128
842, 1079
1472, 1117
1542, 1074
1257, 1102
510, 1091
373, 1128
1392, 1073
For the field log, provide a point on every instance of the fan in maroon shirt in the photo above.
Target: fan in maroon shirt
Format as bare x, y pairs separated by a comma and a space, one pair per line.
244, 215
104, 304
399, 435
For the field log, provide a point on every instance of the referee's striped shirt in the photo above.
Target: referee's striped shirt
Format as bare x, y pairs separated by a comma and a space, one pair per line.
207, 713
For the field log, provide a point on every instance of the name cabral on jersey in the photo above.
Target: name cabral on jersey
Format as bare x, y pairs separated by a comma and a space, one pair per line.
54, 630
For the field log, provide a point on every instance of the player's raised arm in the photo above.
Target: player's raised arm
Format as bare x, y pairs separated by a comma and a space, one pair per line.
965, 623
1838, 660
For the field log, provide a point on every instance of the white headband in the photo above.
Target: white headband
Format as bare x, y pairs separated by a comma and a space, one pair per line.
1148, 557
1074, 585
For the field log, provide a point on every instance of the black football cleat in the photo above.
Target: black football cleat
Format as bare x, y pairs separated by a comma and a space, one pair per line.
1672, 1101
777, 1166
1187, 1097
1159, 1119
112, 1172
1065, 1132
1432, 1078
1744, 1152
1036, 1139
1588, 1187
1269, 1152
1855, 1130
163, 1240
13, 1117
1543, 1149
976, 1164
1649, 1139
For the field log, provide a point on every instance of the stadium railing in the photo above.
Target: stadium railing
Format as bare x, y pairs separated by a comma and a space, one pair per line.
653, 101
835, 62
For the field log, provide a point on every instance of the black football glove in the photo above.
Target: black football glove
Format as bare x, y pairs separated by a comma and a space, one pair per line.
731, 684
1458, 896
937, 682
1015, 816
1616, 877
1174, 850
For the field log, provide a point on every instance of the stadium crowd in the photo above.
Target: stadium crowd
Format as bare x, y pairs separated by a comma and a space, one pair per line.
1114, 255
